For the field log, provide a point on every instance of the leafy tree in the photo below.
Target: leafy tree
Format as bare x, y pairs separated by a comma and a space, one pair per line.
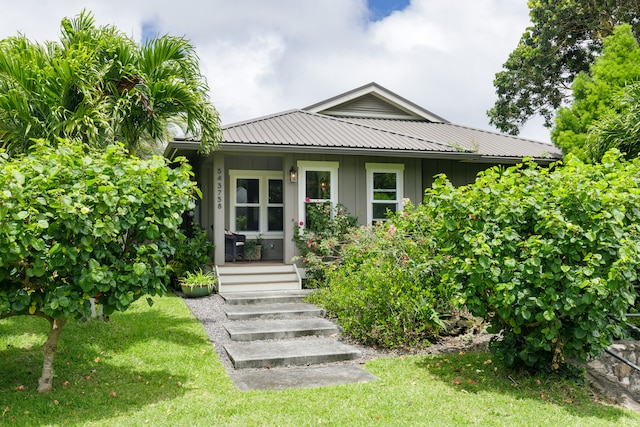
620, 129
97, 85
565, 38
77, 223
597, 94
549, 256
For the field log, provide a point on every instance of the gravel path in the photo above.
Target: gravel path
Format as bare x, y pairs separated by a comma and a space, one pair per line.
209, 310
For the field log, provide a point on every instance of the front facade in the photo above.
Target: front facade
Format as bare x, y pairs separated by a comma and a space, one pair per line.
366, 149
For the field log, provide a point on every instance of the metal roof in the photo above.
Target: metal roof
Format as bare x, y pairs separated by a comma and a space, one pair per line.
298, 128
374, 129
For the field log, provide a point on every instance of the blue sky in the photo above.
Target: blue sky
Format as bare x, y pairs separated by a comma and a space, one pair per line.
380, 9
262, 57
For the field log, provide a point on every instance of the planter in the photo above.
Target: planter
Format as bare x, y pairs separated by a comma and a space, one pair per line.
196, 291
197, 284
254, 253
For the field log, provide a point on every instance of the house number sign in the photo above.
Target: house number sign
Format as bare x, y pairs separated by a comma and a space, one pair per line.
219, 188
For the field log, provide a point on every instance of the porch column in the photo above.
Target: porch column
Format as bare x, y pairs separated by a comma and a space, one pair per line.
218, 199
290, 209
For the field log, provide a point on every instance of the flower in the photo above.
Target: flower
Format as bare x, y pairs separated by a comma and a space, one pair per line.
307, 200
301, 223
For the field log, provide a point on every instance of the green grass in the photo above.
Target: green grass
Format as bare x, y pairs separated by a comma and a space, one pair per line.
164, 372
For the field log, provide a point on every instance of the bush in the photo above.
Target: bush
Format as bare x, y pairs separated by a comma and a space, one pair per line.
549, 256
192, 252
320, 240
385, 287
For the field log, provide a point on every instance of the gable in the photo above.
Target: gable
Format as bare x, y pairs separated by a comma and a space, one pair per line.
373, 101
370, 106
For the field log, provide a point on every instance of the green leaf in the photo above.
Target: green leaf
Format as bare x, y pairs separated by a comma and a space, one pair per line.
139, 268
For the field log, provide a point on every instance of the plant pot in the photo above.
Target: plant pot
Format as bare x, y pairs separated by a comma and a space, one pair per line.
254, 253
196, 291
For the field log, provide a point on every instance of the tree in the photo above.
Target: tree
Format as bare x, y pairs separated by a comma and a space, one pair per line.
96, 85
565, 38
619, 129
597, 93
77, 223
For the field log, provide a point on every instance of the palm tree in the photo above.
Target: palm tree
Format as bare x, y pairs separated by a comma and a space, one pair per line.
96, 85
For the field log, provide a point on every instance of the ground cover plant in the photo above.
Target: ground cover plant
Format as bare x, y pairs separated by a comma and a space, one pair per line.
156, 366
76, 224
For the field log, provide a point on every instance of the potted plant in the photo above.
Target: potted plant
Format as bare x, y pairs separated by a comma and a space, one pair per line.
253, 249
197, 283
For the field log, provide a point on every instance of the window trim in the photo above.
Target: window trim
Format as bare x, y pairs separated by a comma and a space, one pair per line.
372, 168
305, 166
263, 176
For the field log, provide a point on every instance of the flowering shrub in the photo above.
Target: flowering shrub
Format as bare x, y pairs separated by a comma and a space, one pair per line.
386, 288
320, 240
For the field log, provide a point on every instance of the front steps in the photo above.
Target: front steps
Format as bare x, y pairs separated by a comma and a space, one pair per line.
279, 341
280, 329
258, 277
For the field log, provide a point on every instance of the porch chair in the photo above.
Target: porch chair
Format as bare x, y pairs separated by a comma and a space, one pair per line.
234, 245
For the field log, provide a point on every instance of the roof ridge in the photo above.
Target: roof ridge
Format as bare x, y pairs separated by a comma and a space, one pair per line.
493, 132
345, 120
259, 119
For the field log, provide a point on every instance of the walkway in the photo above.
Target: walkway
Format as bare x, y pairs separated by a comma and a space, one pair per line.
273, 340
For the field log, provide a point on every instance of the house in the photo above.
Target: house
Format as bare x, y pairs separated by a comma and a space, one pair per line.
367, 148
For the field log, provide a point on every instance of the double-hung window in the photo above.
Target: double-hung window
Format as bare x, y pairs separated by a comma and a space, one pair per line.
384, 190
257, 202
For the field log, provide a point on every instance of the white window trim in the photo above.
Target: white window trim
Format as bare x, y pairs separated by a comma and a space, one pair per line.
303, 167
263, 176
372, 168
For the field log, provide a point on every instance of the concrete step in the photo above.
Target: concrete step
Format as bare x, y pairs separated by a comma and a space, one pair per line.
264, 297
258, 287
279, 329
248, 278
256, 269
236, 279
300, 352
316, 376
272, 311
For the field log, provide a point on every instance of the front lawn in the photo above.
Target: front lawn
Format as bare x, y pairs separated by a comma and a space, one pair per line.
155, 366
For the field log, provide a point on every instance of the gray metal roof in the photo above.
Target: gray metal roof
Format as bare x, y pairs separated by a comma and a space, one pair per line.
311, 131
372, 120
298, 128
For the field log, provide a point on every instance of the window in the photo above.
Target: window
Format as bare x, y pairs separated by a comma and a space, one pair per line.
317, 188
384, 190
257, 202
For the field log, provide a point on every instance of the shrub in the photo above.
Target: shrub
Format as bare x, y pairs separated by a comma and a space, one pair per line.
549, 256
192, 251
385, 287
319, 240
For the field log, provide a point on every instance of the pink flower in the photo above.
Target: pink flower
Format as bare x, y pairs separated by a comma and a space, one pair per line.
301, 223
307, 200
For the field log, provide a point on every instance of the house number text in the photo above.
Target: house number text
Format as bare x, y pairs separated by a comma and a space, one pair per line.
219, 188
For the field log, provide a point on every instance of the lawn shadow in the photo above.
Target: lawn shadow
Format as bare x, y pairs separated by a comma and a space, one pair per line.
476, 372
101, 368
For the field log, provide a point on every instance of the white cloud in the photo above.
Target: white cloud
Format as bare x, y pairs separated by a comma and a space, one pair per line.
263, 57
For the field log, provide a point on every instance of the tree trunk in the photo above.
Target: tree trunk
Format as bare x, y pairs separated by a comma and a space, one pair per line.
49, 348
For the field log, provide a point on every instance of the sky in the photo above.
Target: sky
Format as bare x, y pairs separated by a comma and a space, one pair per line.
263, 57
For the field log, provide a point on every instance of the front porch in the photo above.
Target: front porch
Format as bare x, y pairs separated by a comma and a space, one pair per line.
257, 276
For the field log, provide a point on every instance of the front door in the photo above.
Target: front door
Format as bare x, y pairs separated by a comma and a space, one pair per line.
257, 208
